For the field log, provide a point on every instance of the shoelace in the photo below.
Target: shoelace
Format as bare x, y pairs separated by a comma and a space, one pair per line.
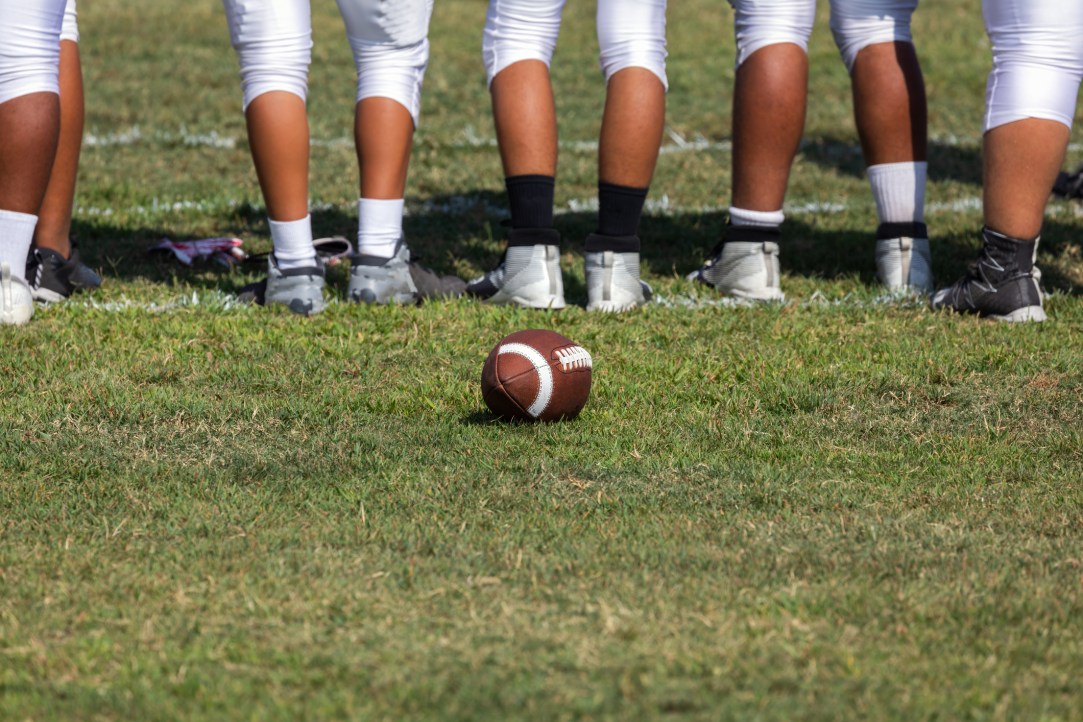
986, 261
38, 270
976, 276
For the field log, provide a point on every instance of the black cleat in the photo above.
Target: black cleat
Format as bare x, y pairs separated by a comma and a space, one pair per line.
1001, 284
53, 278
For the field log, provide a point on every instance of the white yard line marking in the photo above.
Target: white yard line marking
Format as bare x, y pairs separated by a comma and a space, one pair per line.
468, 138
457, 205
215, 300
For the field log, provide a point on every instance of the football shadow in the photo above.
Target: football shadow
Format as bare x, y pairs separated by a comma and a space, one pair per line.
487, 418
479, 418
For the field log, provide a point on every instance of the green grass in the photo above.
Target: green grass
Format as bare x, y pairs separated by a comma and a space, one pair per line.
836, 508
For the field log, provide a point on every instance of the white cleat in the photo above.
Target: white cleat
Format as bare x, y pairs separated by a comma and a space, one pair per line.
745, 269
528, 275
613, 282
611, 266
16, 299
903, 262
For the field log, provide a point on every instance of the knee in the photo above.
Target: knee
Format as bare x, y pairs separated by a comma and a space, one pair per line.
29, 51
1018, 90
857, 24
274, 63
758, 25
632, 35
1037, 68
519, 30
70, 29
392, 72
274, 45
390, 48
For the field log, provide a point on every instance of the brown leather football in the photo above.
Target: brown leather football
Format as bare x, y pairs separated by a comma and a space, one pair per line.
536, 375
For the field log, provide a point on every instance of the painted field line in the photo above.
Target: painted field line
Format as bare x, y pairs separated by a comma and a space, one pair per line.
135, 135
468, 138
220, 301
471, 203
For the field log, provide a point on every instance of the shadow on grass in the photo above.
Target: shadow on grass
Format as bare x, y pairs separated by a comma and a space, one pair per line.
479, 418
947, 162
463, 234
486, 418
1060, 256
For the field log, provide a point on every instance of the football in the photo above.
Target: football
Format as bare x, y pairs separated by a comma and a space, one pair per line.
536, 375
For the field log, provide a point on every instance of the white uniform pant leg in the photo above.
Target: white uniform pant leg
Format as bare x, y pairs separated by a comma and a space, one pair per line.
1037, 60
857, 24
70, 29
389, 39
517, 30
29, 47
759, 23
273, 40
632, 33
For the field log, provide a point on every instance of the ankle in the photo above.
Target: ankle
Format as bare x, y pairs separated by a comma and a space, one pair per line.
753, 234
1014, 254
60, 246
887, 231
533, 237
531, 200
746, 218
597, 243
619, 209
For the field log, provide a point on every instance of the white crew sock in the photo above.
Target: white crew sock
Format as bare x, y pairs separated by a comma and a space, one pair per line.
379, 226
740, 217
293, 243
899, 191
16, 235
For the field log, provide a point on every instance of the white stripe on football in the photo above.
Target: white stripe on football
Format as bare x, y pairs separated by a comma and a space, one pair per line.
545, 375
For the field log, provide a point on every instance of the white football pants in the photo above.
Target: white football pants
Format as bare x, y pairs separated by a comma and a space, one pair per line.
631, 33
389, 39
1037, 60
70, 29
856, 24
29, 47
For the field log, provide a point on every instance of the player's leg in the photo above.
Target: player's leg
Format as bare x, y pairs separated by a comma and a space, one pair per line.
874, 40
55, 270
519, 39
768, 119
1030, 103
632, 39
273, 40
29, 127
391, 51
54, 224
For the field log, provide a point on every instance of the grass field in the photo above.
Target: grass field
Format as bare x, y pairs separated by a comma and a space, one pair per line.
837, 508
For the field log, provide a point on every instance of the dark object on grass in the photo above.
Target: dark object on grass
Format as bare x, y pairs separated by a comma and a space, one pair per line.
223, 250
1069, 185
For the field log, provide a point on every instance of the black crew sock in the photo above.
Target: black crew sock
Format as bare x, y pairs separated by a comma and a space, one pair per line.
619, 209
901, 230
531, 200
